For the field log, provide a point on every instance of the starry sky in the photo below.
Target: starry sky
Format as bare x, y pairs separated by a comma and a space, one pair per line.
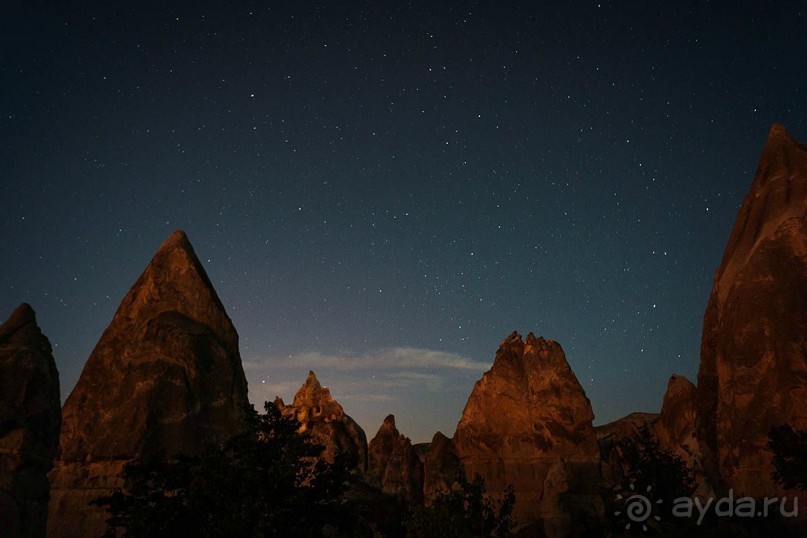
383, 191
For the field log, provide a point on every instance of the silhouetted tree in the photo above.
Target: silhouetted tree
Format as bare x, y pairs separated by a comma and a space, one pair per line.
463, 512
789, 449
648, 465
267, 481
651, 473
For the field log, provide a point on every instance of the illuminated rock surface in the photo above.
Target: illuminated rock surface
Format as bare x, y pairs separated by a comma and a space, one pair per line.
753, 371
323, 418
675, 428
528, 423
165, 375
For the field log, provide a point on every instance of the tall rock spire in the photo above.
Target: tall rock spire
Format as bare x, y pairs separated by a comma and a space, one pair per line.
325, 421
30, 412
394, 463
753, 371
165, 375
528, 423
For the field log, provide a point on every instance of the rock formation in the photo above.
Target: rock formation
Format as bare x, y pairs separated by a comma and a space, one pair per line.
30, 414
613, 436
526, 416
323, 418
394, 463
627, 427
421, 449
165, 375
753, 371
441, 467
675, 428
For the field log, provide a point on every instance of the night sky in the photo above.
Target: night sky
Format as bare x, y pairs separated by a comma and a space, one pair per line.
383, 191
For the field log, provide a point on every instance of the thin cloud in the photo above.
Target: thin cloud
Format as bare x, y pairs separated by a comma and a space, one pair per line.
280, 388
383, 359
407, 378
367, 397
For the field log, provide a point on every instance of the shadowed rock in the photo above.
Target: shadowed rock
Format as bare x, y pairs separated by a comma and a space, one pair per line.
323, 418
612, 437
395, 464
753, 371
675, 428
30, 414
527, 416
441, 467
165, 375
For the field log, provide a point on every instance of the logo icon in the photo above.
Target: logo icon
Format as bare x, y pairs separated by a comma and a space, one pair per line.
638, 507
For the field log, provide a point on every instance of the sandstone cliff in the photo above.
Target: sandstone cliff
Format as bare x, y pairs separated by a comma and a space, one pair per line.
394, 463
753, 372
441, 467
528, 423
675, 428
30, 414
165, 375
323, 418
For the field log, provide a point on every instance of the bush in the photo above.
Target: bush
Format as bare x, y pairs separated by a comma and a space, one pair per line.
463, 512
267, 481
649, 473
789, 449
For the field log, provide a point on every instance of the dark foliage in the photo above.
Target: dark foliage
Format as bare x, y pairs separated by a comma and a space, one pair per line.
648, 473
267, 481
650, 466
463, 512
789, 449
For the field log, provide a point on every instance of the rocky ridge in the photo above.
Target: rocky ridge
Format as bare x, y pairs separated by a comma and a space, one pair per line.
165, 375
30, 417
394, 463
323, 418
675, 428
528, 423
753, 371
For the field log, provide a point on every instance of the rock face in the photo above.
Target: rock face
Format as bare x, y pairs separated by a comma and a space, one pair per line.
527, 416
393, 461
753, 371
165, 375
613, 436
627, 427
441, 467
675, 428
30, 415
326, 422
